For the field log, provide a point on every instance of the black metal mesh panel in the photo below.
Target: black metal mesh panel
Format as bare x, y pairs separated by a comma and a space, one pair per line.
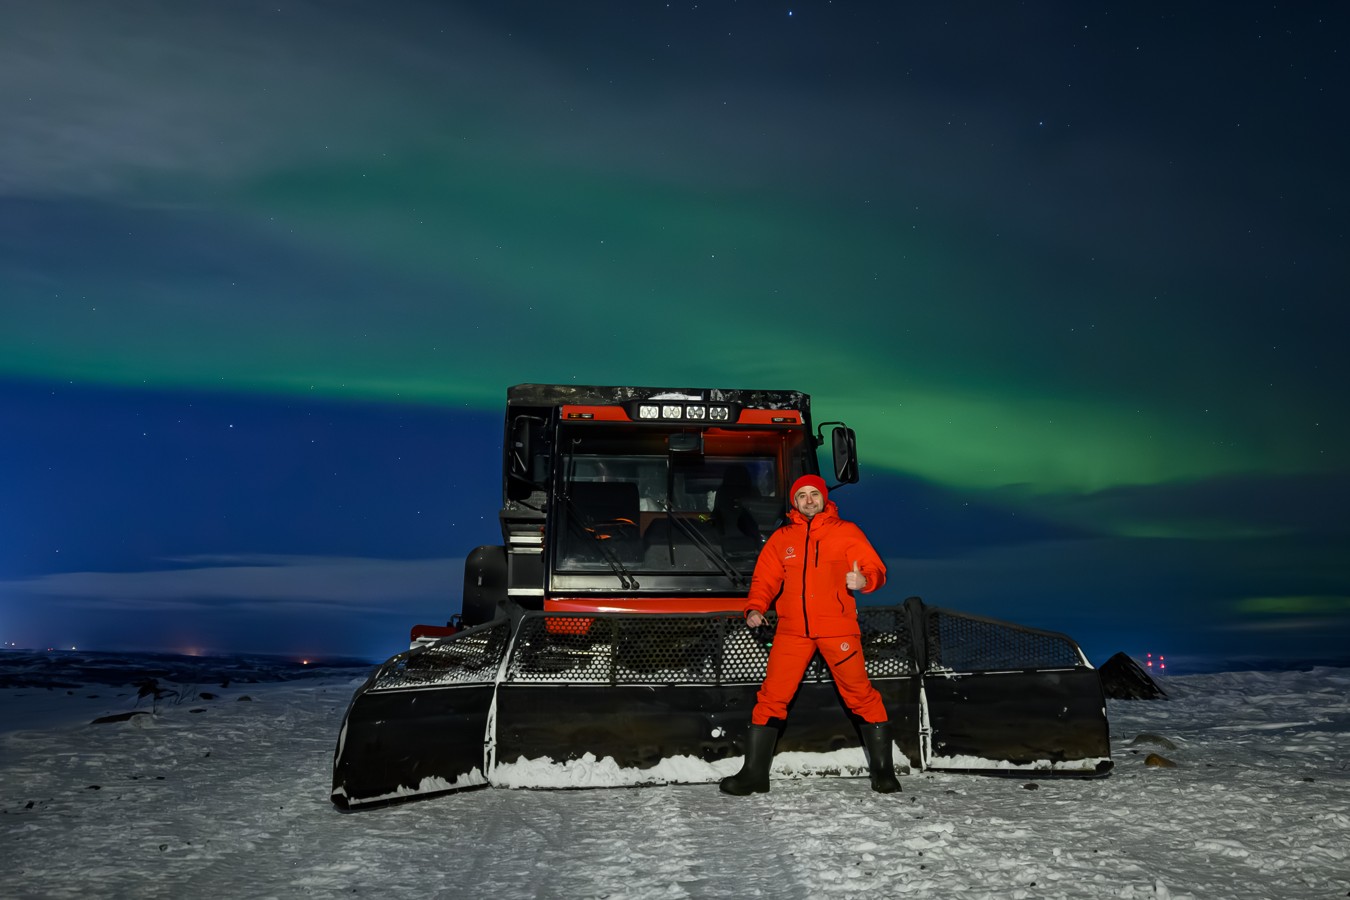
962, 643
674, 649
470, 657
635, 649
888, 644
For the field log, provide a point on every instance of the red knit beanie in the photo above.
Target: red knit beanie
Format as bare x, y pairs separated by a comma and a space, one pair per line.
814, 481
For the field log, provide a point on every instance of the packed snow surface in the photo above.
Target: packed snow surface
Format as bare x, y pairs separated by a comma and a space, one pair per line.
223, 792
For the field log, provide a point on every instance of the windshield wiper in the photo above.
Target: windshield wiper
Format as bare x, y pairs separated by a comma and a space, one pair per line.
586, 530
709, 550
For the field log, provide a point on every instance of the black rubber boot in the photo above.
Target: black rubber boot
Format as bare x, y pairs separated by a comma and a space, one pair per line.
753, 778
880, 765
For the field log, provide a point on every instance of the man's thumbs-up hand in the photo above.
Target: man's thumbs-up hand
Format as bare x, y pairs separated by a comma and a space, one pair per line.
855, 580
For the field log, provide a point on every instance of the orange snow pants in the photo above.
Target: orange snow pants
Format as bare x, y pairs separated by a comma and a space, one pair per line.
788, 658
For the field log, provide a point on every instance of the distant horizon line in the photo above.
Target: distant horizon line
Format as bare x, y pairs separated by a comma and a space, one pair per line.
1190, 664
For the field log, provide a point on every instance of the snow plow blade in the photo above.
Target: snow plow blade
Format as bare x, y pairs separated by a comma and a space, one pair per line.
636, 690
417, 726
1005, 699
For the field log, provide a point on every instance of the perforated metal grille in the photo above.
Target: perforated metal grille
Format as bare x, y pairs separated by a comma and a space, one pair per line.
471, 657
964, 643
639, 649
666, 649
888, 643
636, 649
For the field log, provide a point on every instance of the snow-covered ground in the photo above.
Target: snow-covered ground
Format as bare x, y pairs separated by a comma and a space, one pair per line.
227, 797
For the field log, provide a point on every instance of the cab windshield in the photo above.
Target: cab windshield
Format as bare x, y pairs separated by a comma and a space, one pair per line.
629, 504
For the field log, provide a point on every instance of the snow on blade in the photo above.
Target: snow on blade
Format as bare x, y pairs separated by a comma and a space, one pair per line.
590, 772
429, 785
968, 763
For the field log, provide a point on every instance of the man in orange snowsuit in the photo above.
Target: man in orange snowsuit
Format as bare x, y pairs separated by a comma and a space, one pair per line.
810, 569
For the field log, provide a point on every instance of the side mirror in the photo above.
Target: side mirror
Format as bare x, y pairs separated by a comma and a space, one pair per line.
845, 448
521, 451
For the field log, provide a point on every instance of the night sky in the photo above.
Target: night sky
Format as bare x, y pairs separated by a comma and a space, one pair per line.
1076, 273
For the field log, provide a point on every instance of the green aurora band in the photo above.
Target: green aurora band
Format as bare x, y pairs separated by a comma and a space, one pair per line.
403, 223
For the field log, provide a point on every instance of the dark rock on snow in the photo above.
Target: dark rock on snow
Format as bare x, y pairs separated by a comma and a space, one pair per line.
119, 717
1148, 737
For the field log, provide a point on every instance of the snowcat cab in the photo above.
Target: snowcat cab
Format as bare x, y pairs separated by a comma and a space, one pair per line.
608, 624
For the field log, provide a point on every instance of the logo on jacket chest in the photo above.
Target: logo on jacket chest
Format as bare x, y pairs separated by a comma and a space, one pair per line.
791, 553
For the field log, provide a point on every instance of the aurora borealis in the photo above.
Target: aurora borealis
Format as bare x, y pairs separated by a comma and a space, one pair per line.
1076, 276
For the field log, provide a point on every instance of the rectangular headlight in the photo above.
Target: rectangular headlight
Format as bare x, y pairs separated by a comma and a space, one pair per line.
718, 413
696, 412
649, 411
671, 411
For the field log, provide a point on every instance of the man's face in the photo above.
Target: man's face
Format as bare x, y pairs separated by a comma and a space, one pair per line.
808, 501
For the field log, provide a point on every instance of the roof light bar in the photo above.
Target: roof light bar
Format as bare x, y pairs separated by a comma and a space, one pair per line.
681, 409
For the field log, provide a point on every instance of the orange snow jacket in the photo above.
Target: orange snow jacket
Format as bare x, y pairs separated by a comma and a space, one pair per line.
801, 571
